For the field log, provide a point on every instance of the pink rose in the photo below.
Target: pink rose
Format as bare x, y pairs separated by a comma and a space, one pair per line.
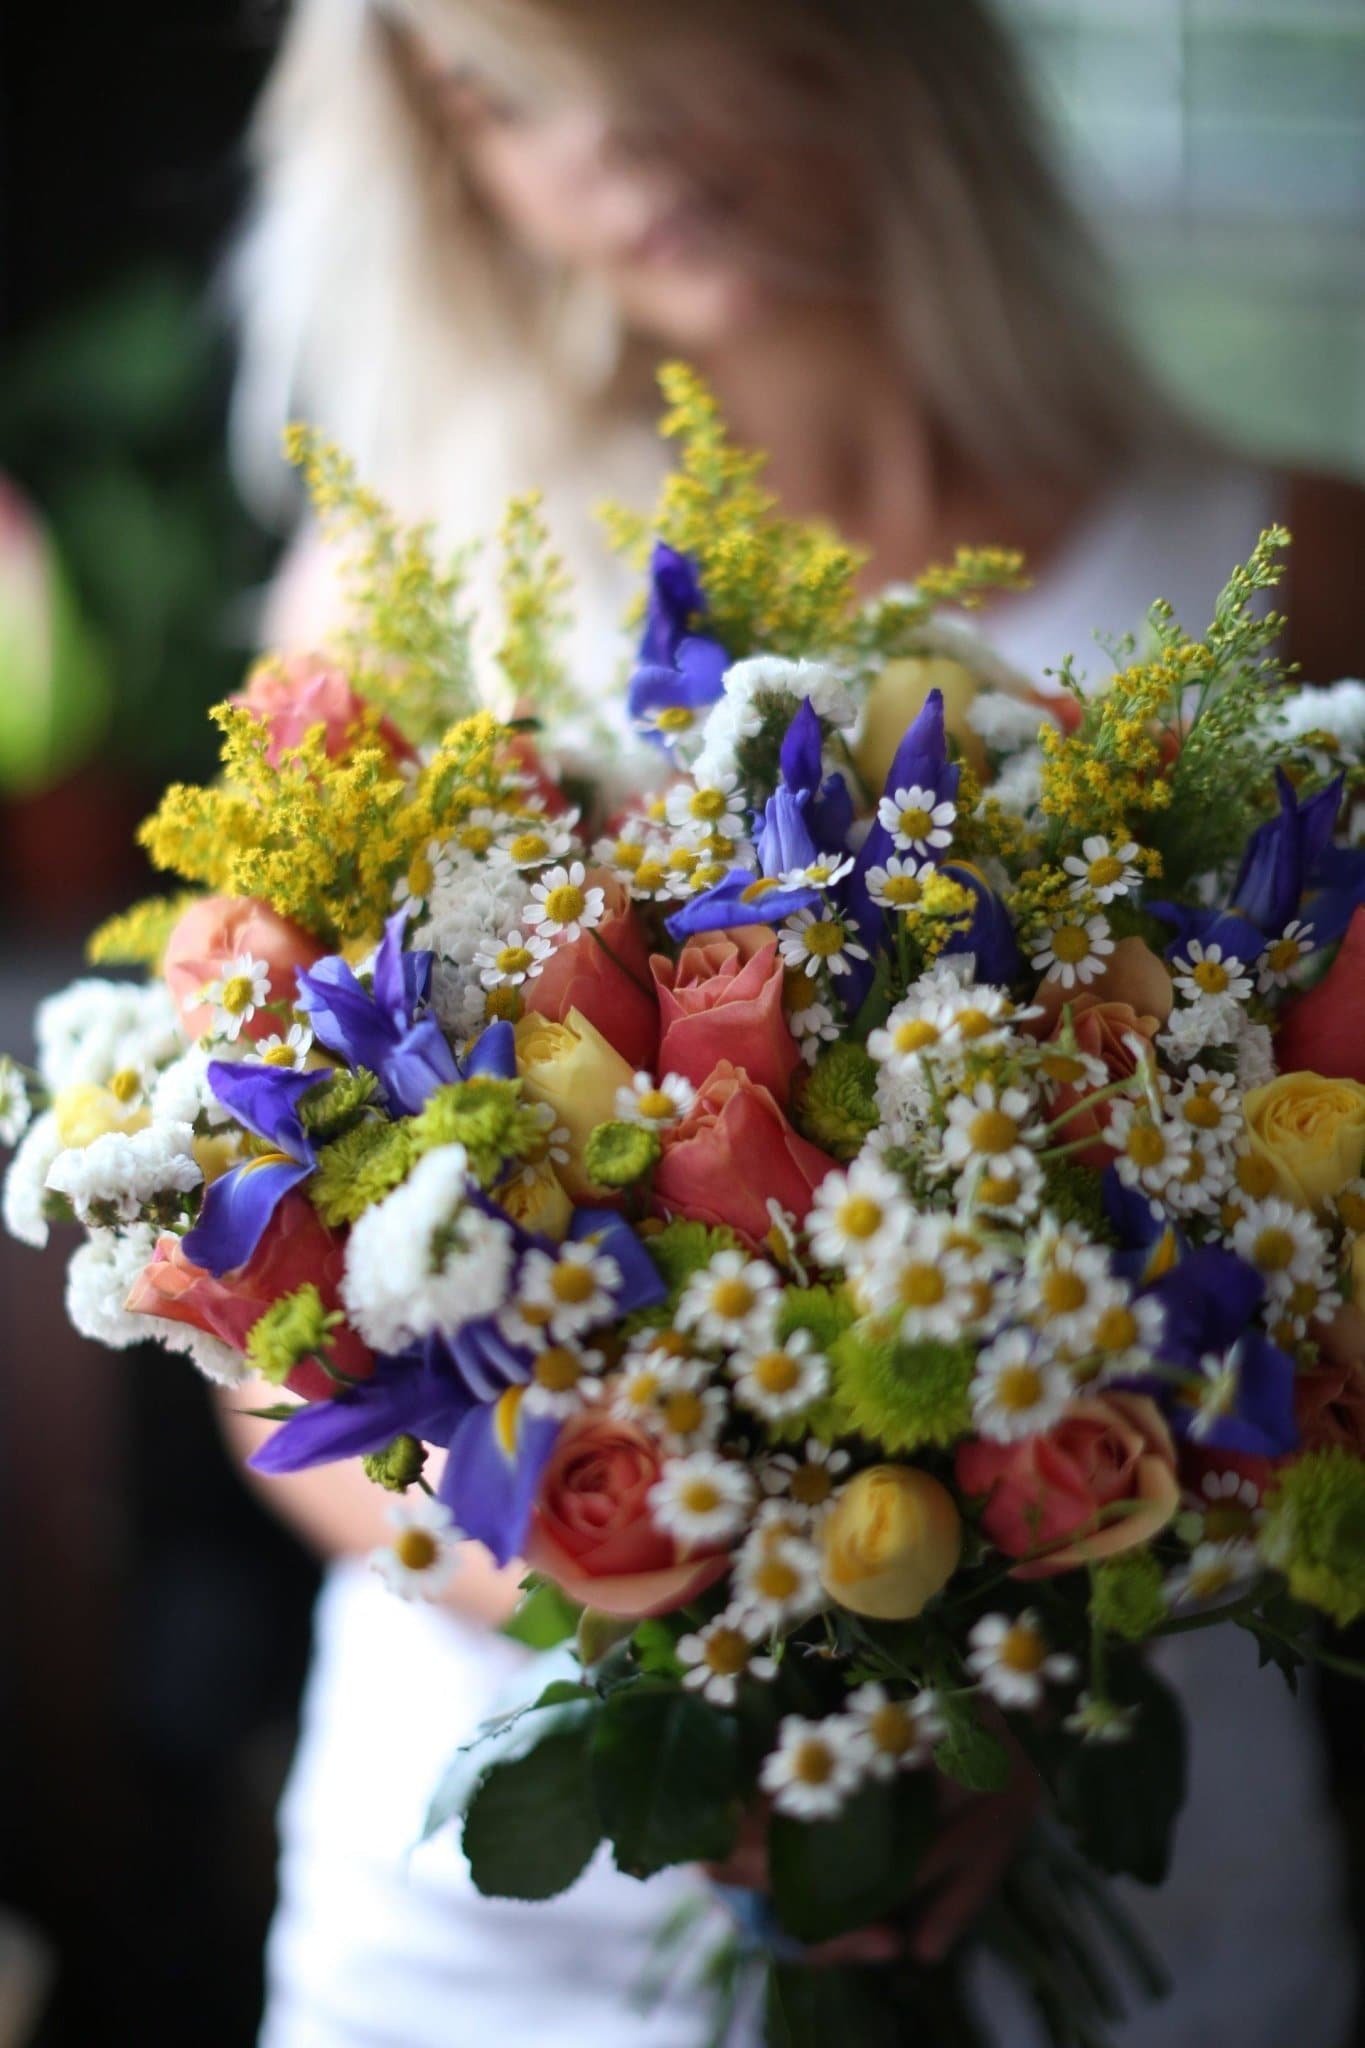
212, 936
297, 1246
731, 1154
604, 975
721, 999
1329, 1405
290, 697
592, 1532
1320, 1030
1049, 1492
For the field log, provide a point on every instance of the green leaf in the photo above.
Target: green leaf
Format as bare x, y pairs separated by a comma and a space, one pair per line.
532, 1825
656, 1646
1122, 1799
830, 1876
545, 1618
814, 2008
970, 1753
665, 1767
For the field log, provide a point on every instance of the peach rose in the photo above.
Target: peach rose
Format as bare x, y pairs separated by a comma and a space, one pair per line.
1329, 1406
293, 696
1131, 999
721, 999
297, 1246
731, 1154
1049, 1492
1320, 1030
216, 932
604, 975
592, 1532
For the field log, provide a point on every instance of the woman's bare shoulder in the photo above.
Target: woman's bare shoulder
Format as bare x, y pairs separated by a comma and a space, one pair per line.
1325, 589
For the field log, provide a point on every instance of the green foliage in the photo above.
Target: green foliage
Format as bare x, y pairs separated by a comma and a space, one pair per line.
1314, 1532
1122, 1800
830, 1876
1126, 1595
532, 1824
836, 1106
683, 1248
970, 1753
825, 1311
398, 1466
1075, 1194
666, 1774
544, 1618
902, 1396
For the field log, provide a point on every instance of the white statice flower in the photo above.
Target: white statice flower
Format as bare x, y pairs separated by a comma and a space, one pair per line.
1209, 971
657, 1105
290, 1049
1211, 1572
424, 1259
1075, 952
418, 1561
99, 1278
906, 1112
471, 905
24, 1201
1006, 724
181, 1093
1255, 1050
97, 1028
777, 1572
564, 1378
816, 1767
857, 1215
781, 1378
732, 1300
812, 939
918, 819
1018, 788
1197, 1027
119, 1176
718, 1656
1103, 871
766, 681
900, 1734
15, 1108
1277, 966
813, 1027
929, 1281
701, 1498
236, 995
808, 1482
1338, 709
1010, 1659
564, 904
1018, 1390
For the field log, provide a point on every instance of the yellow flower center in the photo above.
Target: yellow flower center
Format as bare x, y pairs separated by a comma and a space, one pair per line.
726, 1652
1227, 1520
1145, 1145
732, 1299
991, 1132
674, 718
627, 853
238, 994
899, 890
708, 805
700, 1497
1273, 1249
1019, 1388
279, 1056
973, 1023
998, 1190
536, 1314
1283, 955
916, 822
1351, 1209
682, 861
915, 1034
812, 1763
892, 1730
811, 1486
514, 960
1105, 871
572, 1284
921, 1286
1070, 944
1063, 1067
1116, 1329
1211, 976
1063, 1290
529, 846
1211, 1579
649, 875
824, 938
558, 1369
501, 1002
671, 1343
476, 838
860, 1217
776, 1580
758, 888
566, 902
126, 1084
417, 1550
641, 1389
1022, 1649
1303, 1298
683, 1411
655, 1104
776, 1372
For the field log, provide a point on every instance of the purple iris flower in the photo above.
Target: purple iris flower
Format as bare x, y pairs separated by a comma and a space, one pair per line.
1149, 1240
1238, 1389
239, 1205
990, 935
921, 761
825, 798
677, 667
385, 1028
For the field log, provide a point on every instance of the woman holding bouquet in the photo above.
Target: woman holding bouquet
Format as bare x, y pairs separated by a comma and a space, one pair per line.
479, 228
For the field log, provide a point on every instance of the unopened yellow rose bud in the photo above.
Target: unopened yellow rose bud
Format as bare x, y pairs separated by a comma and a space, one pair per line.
571, 1067
890, 1542
1311, 1130
534, 1197
893, 702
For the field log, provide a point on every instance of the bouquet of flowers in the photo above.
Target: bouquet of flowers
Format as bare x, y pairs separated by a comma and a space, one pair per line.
873, 1217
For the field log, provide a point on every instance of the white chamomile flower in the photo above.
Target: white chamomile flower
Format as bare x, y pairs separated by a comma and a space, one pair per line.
562, 904
658, 1105
1103, 871
857, 1214
1212, 1571
1151, 1151
1018, 1390
698, 808
1228, 1507
623, 851
1210, 1103
1125, 1334
533, 844
1212, 1390
14, 1103
510, 961
1011, 1662
718, 1656
779, 1379
1100, 1720
567, 1290
821, 873
1285, 1245
1275, 968
1006, 1191
897, 884
1068, 1281
237, 995
929, 1281
991, 1127
730, 1301
288, 1049
701, 1498
917, 820
808, 1483
810, 940
1074, 952
564, 1378
419, 1560
814, 1026
688, 1412
777, 1572
816, 1766
1208, 971
900, 1734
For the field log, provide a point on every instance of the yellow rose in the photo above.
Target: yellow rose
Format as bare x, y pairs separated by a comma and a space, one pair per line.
1311, 1131
86, 1111
895, 698
534, 1197
571, 1067
891, 1540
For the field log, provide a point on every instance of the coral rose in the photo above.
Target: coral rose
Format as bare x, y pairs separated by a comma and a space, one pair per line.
1311, 1131
1130, 1000
297, 1247
1057, 1492
212, 936
721, 999
293, 697
1321, 1030
604, 975
1329, 1406
592, 1532
731, 1154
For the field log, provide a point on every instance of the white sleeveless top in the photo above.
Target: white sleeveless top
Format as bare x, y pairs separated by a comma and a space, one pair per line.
378, 1944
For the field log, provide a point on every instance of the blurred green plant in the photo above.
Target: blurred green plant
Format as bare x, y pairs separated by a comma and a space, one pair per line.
111, 422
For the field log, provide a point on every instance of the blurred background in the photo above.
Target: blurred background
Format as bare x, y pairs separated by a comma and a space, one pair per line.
155, 1630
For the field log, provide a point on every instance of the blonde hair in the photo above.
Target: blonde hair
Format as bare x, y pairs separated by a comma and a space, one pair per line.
378, 299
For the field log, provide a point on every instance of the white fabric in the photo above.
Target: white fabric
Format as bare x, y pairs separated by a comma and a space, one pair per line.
374, 1947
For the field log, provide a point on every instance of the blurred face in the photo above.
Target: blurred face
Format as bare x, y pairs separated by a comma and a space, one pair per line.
705, 208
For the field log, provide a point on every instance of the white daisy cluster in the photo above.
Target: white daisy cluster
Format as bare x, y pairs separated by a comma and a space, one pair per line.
817, 1766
